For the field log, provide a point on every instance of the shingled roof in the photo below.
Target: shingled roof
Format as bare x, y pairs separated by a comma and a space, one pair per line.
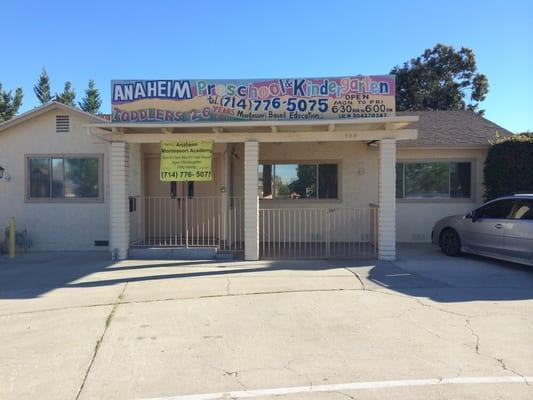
451, 128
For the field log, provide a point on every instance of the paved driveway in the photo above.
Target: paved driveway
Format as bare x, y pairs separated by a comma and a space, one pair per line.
75, 326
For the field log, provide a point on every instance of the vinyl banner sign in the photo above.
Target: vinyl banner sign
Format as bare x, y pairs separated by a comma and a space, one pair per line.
295, 99
186, 161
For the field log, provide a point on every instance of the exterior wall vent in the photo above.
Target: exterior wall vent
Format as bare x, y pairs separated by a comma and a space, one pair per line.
62, 124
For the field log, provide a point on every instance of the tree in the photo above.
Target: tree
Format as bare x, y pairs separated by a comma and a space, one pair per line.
305, 185
67, 96
508, 166
440, 79
91, 103
9, 105
42, 88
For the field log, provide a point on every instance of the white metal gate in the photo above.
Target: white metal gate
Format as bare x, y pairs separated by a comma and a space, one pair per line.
187, 221
318, 232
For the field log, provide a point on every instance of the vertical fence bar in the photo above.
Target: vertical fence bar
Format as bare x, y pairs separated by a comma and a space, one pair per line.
263, 231
167, 220
220, 217
151, 222
202, 217
176, 221
327, 222
186, 200
234, 211
283, 232
279, 232
194, 221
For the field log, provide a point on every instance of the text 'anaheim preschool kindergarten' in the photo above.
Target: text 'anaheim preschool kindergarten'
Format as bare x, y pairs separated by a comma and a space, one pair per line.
171, 101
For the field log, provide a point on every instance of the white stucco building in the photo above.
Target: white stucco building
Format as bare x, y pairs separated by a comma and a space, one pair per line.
319, 188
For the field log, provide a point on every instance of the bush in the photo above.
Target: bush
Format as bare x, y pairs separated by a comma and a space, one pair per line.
509, 166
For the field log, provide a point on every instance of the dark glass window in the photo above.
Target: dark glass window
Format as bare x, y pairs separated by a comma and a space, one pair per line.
327, 181
426, 180
64, 178
295, 181
460, 180
190, 189
298, 181
496, 210
399, 180
40, 177
265, 181
58, 177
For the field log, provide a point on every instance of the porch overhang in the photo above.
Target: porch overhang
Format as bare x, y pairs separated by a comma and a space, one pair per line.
368, 129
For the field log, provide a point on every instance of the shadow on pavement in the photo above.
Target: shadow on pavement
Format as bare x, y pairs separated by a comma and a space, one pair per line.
419, 271
423, 271
30, 275
34, 274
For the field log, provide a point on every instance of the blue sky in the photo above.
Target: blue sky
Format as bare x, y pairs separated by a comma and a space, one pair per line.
104, 40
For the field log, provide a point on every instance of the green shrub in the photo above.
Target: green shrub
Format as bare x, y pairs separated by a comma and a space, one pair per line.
509, 166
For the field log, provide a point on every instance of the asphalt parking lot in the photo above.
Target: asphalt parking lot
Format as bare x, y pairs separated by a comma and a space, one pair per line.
77, 326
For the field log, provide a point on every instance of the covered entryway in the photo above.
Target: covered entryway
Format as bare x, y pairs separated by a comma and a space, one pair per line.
185, 214
228, 213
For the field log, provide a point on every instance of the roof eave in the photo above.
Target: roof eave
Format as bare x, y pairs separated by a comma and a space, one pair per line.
398, 122
44, 109
416, 146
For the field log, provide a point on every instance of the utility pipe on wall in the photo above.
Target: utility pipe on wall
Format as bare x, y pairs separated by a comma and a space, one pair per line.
12, 234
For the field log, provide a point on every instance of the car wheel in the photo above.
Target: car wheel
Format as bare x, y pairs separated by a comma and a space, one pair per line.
450, 242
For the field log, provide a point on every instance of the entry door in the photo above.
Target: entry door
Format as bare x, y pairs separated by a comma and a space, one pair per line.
164, 214
486, 233
203, 203
190, 210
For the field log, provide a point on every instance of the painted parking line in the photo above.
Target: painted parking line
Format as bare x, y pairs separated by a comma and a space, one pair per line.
246, 394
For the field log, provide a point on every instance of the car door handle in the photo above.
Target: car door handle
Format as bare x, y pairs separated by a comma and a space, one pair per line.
498, 226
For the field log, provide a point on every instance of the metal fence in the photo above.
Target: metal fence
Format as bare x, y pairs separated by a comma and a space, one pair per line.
318, 232
321, 232
184, 221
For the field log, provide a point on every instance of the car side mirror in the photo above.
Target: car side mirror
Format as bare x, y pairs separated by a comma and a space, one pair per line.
472, 215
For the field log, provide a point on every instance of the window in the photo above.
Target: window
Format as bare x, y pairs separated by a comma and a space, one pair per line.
174, 189
52, 177
496, 210
523, 210
430, 180
297, 181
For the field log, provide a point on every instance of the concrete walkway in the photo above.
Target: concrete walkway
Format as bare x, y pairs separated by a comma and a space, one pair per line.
76, 326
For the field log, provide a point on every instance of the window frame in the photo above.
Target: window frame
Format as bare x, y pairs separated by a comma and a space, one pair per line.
337, 162
50, 199
473, 188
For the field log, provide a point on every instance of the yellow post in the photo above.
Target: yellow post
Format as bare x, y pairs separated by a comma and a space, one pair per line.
12, 233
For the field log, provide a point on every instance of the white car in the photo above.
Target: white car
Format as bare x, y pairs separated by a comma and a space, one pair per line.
501, 228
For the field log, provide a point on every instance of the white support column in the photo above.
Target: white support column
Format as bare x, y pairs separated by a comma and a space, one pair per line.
119, 219
387, 200
224, 196
251, 201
